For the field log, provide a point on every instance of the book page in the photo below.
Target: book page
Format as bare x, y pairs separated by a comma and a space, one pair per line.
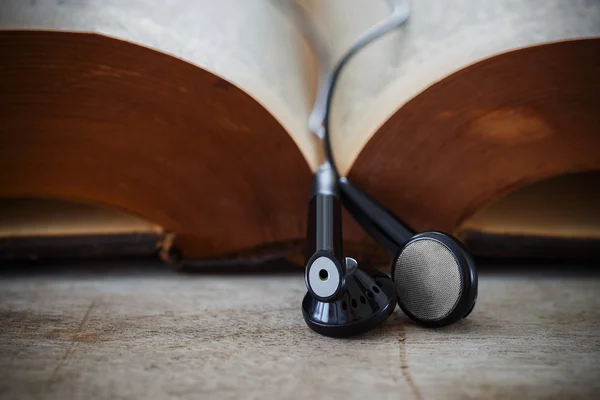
254, 44
565, 206
439, 38
35, 217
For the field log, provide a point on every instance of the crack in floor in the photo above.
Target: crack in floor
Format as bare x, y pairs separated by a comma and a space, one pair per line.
404, 365
72, 346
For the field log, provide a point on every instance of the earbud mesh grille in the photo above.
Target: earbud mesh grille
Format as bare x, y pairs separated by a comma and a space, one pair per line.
428, 280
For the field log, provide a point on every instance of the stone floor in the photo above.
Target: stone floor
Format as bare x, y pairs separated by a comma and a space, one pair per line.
139, 330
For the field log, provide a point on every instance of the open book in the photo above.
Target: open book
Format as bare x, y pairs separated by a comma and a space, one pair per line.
192, 115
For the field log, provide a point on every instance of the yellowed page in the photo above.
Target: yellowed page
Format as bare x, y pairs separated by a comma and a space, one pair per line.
440, 37
254, 44
24, 217
563, 206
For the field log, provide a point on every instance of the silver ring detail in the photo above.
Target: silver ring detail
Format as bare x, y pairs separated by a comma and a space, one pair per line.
323, 287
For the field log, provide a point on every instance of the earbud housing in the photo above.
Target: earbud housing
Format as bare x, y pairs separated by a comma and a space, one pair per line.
366, 300
435, 279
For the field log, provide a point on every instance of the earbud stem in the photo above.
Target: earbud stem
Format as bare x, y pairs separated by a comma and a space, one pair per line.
324, 233
374, 218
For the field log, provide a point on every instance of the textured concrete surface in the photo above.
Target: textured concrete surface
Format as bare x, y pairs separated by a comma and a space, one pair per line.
143, 332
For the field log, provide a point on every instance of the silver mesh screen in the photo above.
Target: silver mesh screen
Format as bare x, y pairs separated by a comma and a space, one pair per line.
428, 280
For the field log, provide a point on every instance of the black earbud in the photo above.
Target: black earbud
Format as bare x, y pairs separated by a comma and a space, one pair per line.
342, 299
434, 276
435, 279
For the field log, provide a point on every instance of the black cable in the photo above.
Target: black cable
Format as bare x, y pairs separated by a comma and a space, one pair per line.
397, 18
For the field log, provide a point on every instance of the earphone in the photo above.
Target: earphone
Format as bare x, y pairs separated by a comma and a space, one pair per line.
342, 299
434, 279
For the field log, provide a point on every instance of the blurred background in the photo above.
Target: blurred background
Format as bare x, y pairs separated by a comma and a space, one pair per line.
151, 128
